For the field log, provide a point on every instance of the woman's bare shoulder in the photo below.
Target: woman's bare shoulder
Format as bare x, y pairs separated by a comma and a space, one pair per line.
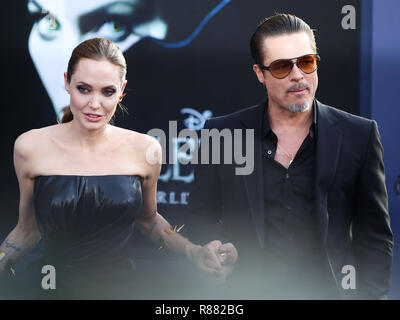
144, 150
35, 138
137, 140
29, 148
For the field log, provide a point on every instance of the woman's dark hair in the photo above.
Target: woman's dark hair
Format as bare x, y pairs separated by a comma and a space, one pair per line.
277, 25
97, 49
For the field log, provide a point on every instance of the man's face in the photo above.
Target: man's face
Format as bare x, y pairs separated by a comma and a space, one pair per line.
295, 92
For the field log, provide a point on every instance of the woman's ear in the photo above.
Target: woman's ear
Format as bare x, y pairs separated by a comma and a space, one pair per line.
122, 91
124, 85
67, 87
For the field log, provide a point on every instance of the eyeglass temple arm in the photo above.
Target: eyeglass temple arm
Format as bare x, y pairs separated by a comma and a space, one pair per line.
263, 67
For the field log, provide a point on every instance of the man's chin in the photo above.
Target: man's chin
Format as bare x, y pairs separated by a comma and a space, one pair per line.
299, 107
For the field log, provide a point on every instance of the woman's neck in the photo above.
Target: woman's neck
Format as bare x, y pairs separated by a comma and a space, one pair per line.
88, 140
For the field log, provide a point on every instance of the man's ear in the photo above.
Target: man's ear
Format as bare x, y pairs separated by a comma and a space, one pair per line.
66, 83
259, 73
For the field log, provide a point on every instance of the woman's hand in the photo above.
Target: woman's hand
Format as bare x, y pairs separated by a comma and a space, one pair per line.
215, 258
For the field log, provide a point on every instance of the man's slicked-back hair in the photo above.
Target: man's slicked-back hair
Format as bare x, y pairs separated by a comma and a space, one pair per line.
277, 25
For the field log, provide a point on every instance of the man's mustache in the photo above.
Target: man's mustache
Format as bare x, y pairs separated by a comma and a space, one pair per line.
298, 86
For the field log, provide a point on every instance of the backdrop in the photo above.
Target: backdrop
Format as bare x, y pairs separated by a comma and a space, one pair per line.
187, 60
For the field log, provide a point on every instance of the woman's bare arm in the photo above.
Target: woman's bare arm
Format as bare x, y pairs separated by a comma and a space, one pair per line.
152, 224
25, 235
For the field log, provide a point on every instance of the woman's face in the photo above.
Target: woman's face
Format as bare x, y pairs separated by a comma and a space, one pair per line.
62, 25
95, 88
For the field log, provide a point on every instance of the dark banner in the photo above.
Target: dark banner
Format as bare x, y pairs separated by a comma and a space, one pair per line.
188, 60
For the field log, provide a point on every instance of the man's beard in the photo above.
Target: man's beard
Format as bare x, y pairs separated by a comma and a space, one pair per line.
299, 107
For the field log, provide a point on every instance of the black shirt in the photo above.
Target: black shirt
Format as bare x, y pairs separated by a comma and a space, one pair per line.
292, 247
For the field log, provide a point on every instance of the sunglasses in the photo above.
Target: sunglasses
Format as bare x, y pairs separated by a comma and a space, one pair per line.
281, 68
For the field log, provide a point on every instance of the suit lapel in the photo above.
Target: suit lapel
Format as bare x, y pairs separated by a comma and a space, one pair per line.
254, 182
329, 139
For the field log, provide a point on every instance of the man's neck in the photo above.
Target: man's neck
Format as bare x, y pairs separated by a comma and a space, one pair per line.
283, 119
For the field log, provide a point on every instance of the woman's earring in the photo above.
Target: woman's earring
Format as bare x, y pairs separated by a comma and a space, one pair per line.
121, 97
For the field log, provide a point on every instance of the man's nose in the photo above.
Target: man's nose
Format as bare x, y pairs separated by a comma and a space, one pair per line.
296, 74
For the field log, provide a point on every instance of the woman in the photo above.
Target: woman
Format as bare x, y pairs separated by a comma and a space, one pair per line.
84, 183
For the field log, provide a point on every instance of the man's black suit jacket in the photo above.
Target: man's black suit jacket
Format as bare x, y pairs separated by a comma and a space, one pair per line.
350, 200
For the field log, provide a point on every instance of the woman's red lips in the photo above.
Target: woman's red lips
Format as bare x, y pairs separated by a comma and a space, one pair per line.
94, 114
93, 117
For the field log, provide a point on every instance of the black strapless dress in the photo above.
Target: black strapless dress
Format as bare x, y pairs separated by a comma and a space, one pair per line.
86, 223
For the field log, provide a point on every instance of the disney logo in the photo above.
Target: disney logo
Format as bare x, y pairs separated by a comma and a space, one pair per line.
195, 120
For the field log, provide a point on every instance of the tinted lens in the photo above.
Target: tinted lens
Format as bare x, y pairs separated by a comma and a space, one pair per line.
308, 63
281, 69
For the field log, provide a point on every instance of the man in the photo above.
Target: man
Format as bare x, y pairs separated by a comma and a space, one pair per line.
311, 221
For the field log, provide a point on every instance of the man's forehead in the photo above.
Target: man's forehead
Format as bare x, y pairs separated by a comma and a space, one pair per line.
287, 46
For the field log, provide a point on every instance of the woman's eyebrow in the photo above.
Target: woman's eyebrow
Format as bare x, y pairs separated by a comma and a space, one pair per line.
84, 83
39, 8
130, 14
111, 86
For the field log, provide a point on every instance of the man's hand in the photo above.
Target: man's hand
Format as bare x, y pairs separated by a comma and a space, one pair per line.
215, 258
